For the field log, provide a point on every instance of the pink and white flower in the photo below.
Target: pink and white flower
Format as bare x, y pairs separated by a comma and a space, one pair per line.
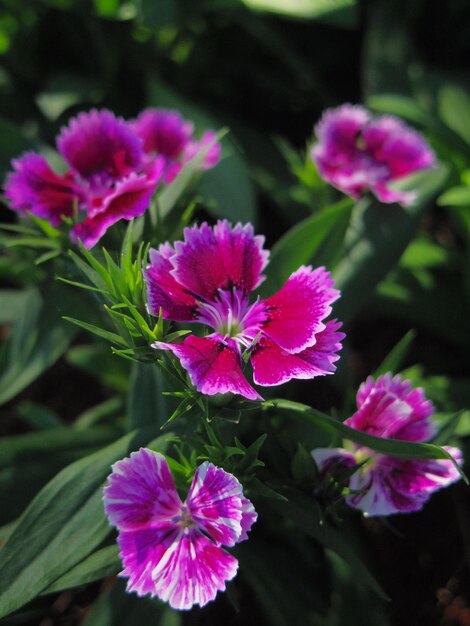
169, 548
208, 278
389, 407
357, 152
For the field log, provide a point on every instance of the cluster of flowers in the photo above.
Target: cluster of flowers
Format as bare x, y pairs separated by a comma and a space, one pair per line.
357, 152
114, 168
173, 549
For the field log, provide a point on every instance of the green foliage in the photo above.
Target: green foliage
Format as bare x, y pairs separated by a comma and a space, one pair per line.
38, 339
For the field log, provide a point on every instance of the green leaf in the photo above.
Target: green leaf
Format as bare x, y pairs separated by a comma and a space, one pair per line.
391, 447
146, 403
119, 608
103, 562
38, 339
302, 244
276, 574
38, 416
303, 467
402, 106
422, 253
378, 236
436, 306
19, 447
228, 191
13, 304
28, 462
456, 196
96, 330
100, 362
302, 511
109, 409
395, 357
351, 602
63, 524
341, 12
454, 108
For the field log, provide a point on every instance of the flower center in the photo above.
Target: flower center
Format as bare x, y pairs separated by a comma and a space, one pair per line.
184, 519
231, 315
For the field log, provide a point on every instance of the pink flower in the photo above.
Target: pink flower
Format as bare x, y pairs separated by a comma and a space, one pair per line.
207, 278
169, 548
114, 169
33, 186
105, 181
106, 156
167, 134
390, 408
357, 152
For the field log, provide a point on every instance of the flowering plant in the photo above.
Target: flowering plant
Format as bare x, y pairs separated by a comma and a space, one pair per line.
186, 319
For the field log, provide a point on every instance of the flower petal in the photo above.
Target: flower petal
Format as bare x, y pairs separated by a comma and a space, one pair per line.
98, 143
249, 517
140, 492
273, 366
163, 131
338, 131
183, 568
163, 291
296, 312
212, 156
394, 485
390, 407
34, 186
399, 147
128, 199
141, 551
216, 258
213, 365
215, 503
333, 460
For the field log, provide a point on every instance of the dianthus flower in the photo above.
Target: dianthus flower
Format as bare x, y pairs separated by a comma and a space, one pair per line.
166, 133
105, 180
357, 152
114, 168
208, 278
390, 408
169, 548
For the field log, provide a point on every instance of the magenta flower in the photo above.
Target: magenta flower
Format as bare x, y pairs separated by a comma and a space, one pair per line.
169, 548
166, 133
106, 156
390, 408
105, 181
33, 186
208, 278
357, 152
